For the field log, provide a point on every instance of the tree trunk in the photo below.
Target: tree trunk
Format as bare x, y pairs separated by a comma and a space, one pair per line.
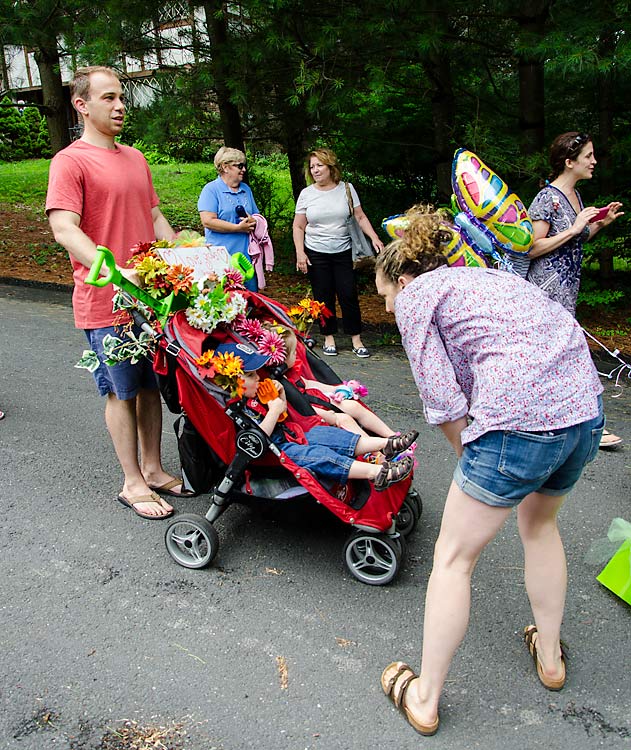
47, 59
443, 115
295, 145
217, 26
531, 18
437, 65
606, 105
531, 106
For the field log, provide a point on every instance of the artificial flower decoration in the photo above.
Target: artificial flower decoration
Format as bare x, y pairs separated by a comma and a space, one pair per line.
251, 328
233, 280
214, 305
227, 371
266, 340
133, 347
272, 344
180, 279
306, 312
158, 277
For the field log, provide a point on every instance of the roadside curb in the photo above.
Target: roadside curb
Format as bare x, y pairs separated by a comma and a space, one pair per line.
57, 287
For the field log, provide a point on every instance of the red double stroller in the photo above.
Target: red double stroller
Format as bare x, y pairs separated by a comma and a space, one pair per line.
224, 452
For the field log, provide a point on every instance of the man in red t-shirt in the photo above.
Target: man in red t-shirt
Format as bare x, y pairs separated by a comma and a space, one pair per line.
100, 192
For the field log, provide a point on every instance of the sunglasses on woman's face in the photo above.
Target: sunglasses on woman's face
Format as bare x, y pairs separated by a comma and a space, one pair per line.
240, 165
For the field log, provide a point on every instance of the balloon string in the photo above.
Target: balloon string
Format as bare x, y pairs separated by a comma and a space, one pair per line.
618, 370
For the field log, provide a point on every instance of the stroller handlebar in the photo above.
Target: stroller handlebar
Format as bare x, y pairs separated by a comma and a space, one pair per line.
104, 256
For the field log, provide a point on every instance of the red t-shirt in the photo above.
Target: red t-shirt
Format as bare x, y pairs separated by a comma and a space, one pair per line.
112, 191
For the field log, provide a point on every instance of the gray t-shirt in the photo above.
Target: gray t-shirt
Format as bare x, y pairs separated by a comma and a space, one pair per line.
326, 212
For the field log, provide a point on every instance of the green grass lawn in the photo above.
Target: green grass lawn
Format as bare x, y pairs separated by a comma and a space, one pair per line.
24, 184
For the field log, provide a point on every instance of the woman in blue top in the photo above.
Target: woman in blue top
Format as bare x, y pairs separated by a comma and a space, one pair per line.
562, 224
226, 206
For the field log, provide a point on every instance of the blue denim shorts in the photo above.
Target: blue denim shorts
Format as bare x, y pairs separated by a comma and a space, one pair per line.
329, 453
124, 380
501, 467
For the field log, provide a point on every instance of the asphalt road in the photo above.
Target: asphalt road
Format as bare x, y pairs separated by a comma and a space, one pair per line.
276, 646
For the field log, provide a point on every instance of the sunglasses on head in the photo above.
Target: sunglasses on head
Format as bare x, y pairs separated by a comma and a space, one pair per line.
580, 140
240, 165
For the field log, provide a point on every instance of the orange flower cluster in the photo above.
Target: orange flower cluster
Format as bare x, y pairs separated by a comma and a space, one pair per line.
226, 370
158, 277
306, 312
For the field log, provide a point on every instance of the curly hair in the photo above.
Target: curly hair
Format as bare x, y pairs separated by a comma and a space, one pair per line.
420, 249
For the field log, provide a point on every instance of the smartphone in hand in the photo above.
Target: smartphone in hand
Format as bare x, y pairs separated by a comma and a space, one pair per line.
241, 212
600, 215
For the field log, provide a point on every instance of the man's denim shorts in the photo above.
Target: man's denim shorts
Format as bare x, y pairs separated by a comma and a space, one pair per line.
124, 380
501, 467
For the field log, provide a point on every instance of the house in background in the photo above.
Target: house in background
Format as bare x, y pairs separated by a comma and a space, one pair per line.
173, 45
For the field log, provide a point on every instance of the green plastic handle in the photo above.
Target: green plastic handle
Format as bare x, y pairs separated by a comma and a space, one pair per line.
243, 265
163, 307
104, 256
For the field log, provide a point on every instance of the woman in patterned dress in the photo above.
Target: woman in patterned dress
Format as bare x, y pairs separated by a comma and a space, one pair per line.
507, 376
562, 224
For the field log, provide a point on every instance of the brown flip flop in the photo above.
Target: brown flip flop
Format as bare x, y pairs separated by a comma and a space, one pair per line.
152, 498
167, 488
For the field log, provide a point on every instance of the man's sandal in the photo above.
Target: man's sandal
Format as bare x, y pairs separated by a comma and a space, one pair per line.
530, 636
395, 687
392, 472
131, 502
398, 443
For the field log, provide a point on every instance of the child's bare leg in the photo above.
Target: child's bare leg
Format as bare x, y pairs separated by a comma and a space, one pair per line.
363, 470
335, 419
370, 444
366, 418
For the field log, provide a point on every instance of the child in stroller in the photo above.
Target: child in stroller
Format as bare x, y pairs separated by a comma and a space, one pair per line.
329, 452
347, 412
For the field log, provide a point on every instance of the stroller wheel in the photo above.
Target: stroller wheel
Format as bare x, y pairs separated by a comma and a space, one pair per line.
407, 517
191, 540
373, 558
415, 500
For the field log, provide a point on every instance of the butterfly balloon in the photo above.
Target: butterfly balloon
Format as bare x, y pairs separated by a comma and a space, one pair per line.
490, 222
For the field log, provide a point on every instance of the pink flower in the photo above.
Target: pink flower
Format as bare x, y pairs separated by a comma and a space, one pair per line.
272, 344
252, 329
232, 280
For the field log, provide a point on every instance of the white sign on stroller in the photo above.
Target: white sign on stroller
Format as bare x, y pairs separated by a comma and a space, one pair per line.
203, 259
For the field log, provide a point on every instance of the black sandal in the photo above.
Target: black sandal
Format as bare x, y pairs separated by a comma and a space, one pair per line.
392, 472
398, 443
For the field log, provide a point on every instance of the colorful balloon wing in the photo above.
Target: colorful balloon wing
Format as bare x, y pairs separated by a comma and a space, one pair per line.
485, 198
459, 252
488, 221
395, 226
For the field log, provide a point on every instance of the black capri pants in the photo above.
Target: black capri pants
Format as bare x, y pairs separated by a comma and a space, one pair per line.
331, 275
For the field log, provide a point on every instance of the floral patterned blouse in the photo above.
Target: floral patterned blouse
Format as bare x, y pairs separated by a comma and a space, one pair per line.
487, 344
558, 273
